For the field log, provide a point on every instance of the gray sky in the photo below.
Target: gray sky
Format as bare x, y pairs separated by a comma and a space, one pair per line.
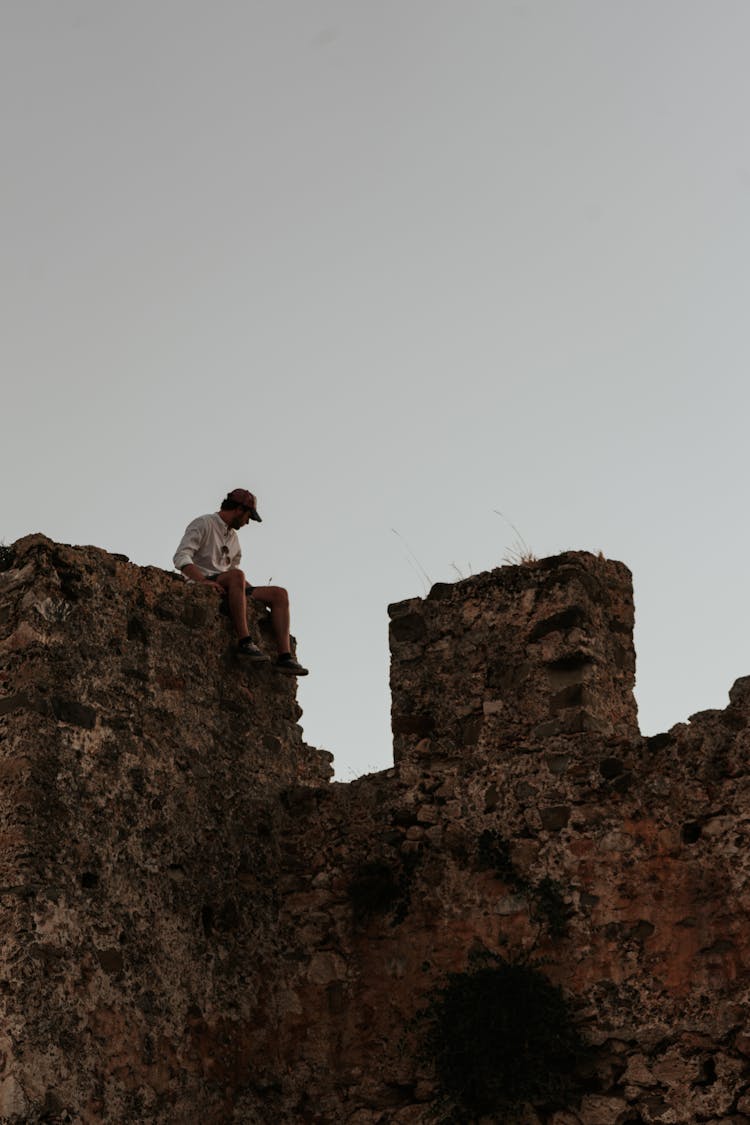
391, 265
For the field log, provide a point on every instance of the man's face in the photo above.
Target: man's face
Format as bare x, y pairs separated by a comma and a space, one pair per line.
240, 519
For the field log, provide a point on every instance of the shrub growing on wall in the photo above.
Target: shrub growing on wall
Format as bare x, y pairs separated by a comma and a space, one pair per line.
373, 890
6, 557
502, 1036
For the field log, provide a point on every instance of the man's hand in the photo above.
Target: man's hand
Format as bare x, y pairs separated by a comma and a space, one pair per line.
196, 575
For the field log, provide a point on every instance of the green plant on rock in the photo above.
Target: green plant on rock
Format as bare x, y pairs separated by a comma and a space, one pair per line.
374, 889
382, 886
547, 907
493, 852
501, 1036
7, 557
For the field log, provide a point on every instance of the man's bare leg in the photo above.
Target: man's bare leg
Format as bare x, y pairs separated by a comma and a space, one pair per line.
277, 600
233, 581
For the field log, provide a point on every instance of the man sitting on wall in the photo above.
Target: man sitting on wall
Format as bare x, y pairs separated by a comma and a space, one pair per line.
209, 553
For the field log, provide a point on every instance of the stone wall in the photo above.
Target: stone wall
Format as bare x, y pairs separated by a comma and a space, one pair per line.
625, 877
139, 760
199, 927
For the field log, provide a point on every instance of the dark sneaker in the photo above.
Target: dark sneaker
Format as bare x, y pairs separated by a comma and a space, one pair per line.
290, 666
250, 651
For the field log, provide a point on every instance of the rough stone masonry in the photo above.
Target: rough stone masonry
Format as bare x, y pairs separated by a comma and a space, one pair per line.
198, 926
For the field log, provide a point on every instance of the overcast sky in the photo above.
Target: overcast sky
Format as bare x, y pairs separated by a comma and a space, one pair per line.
392, 265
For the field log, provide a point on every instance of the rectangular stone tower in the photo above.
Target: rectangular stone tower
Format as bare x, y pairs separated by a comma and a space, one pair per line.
514, 655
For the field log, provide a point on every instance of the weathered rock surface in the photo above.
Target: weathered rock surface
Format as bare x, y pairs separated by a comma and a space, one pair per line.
197, 926
138, 866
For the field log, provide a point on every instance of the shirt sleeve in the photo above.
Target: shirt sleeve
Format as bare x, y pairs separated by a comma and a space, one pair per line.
190, 543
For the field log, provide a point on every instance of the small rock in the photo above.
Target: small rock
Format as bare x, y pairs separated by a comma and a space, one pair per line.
638, 1072
326, 967
598, 1110
493, 706
555, 817
557, 764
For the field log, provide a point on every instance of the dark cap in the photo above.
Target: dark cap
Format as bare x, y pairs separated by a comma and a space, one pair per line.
242, 498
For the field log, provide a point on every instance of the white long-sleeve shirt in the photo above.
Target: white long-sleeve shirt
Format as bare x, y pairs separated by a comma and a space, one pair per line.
209, 544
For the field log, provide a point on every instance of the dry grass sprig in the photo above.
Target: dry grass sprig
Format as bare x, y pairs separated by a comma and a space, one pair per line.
519, 553
415, 563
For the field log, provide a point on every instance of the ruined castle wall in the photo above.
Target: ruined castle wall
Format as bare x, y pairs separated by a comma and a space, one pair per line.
553, 835
138, 759
623, 874
197, 926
